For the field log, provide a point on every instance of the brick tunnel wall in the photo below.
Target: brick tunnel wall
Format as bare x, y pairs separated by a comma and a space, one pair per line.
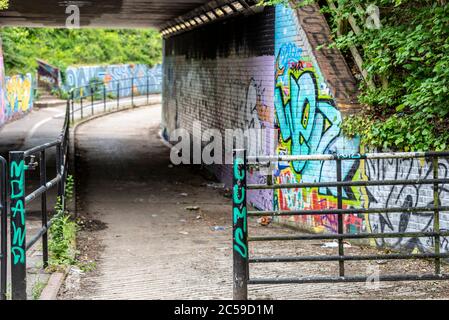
265, 70
222, 74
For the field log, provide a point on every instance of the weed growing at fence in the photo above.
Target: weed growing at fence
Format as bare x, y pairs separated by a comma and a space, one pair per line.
38, 287
62, 233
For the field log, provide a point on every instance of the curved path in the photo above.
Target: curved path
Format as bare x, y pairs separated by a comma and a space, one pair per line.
152, 247
148, 246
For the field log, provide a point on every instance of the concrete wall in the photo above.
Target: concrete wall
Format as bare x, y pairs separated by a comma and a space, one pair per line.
265, 70
16, 94
76, 77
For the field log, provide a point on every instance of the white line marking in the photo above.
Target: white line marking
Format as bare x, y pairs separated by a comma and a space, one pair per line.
38, 125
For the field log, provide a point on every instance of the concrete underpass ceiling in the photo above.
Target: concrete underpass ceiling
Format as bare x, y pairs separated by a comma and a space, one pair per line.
97, 13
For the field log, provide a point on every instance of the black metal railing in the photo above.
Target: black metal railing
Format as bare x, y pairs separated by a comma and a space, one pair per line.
100, 93
242, 260
21, 162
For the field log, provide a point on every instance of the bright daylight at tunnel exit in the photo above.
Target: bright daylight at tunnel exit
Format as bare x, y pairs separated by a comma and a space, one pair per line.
224, 156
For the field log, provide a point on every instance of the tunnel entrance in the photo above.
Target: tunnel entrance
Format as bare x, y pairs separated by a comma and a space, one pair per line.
153, 230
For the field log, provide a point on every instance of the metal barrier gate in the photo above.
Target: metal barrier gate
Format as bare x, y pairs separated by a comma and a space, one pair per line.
242, 260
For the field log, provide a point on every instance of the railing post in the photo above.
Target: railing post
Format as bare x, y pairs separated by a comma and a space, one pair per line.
148, 89
59, 162
43, 182
104, 97
81, 106
436, 220
92, 100
240, 227
341, 248
72, 106
132, 92
18, 224
3, 229
118, 95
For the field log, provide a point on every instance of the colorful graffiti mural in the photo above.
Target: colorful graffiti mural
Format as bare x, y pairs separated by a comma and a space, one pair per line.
16, 94
146, 79
2, 87
19, 95
309, 123
48, 74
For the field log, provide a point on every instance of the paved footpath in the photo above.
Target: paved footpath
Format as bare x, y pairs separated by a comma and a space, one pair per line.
147, 245
38, 127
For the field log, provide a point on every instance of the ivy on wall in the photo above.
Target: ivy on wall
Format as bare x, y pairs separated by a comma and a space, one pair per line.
406, 58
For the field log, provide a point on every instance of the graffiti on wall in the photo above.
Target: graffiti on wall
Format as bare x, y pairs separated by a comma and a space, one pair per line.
242, 99
239, 207
19, 95
309, 123
16, 94
145, 78
17, 185
405, 197
48, 74
2, 88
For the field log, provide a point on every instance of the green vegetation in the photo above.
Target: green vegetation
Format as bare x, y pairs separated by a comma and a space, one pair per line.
407, 60
65, 47
62, 233
4, 4
62, 237
37, 289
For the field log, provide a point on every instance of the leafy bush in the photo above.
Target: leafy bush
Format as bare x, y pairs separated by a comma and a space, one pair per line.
4, 4
407, 60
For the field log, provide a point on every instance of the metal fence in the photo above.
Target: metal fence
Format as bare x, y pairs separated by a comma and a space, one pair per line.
241, 239
99, 93
22, 162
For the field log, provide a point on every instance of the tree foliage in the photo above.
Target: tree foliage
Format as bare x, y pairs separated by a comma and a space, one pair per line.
408, 109
64, 47
4, 4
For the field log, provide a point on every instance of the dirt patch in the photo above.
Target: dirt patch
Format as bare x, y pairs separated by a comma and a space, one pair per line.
91, 225
89, 247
